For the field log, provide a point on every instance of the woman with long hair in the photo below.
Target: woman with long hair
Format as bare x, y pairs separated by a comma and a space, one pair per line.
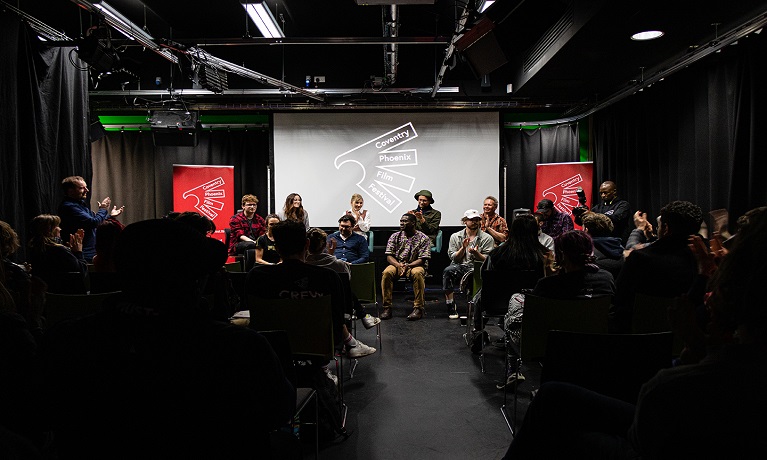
294, 210
361, 216
51, 260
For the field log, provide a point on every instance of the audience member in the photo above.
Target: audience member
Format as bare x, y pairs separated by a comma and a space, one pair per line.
666, 268
146, 377
106, 241
361, 216
674, 412
347, 245
608, 250
317, 255
521, 251
553, 222
466, 246
642, 235
296, 279
294, 210
407, 252
244, 229
616, 208
427, 219
75, 214
492, 223
27, 292
266, 250
543, 238
53, 261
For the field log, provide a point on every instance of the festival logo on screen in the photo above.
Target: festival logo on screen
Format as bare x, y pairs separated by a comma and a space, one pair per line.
379, 159
564, 194
208, 196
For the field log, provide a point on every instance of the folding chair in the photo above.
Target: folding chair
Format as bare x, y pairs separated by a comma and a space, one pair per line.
543, 314
651, 315
308, 323
281, 346
363, 284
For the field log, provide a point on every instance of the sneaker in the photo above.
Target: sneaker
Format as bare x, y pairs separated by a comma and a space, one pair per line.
370, 321
513, 379
453, 313
360, 350
331, 376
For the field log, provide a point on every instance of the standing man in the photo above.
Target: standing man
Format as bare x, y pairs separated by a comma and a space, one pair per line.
347, 245
245, 228
75, 214
617, 209
465, 247
408, 252
553, 222
427, 218
492, 223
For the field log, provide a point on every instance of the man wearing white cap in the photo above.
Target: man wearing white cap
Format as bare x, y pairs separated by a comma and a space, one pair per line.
465, 247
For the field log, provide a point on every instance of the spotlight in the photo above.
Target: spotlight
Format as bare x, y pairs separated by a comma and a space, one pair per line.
97, 53
213, 79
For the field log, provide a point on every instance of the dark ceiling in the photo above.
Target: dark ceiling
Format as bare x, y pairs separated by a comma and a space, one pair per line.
566, 57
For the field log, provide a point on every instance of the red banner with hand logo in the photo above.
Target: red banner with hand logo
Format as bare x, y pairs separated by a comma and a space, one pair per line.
559, 183
208, 190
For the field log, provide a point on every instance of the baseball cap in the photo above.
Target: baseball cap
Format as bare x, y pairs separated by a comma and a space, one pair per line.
545, 205
472, 214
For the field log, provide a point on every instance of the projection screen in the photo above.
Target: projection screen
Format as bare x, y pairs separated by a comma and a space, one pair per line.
386, 158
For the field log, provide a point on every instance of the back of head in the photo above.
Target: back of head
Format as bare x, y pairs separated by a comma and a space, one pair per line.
317, 240
289, 237
681, 217
522, 250
161, 260
598, 225
738, 285
9, 240
197, 221
576, 248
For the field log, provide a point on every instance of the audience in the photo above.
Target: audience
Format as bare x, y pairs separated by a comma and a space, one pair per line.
76, 215
709, 409
407, 252
53, 261
466, 246
294, 210
666, 268
361, 216
150, 375
608, 250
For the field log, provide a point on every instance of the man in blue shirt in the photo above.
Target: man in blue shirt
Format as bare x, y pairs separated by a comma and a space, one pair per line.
347, 245
75, 214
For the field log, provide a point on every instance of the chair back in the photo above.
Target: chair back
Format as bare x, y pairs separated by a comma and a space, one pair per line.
651, 315
616, 365
60, 307
542, 315
281, 345
437, 242
499, 285
363, 281
101, 282
476, 277
235, 266
370, 241
68, 283
308, 323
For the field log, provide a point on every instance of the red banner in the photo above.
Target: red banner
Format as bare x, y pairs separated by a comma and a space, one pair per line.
558, 182
208, 190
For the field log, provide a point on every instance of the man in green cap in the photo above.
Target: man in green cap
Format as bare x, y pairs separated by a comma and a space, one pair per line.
426, 218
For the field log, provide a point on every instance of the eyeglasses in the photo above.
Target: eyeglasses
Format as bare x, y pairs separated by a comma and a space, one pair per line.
250, 204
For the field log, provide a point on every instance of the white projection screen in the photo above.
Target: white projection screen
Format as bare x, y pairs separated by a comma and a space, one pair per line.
387, 158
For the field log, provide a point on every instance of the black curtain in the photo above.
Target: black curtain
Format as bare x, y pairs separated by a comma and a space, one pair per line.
699, 136
43, 123
523, 149
131, 170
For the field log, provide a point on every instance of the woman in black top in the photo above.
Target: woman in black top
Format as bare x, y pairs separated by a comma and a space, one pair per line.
266, 252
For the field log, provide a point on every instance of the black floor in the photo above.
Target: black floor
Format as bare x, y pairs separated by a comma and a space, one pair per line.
423, 395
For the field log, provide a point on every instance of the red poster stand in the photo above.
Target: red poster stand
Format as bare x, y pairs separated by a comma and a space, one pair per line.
208, 190
559, 181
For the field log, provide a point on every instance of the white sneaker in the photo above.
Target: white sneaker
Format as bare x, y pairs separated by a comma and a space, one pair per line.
370, 321
453, 311
331, 376
360, 350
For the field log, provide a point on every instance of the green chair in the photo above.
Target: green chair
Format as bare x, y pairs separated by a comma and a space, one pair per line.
437, 242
